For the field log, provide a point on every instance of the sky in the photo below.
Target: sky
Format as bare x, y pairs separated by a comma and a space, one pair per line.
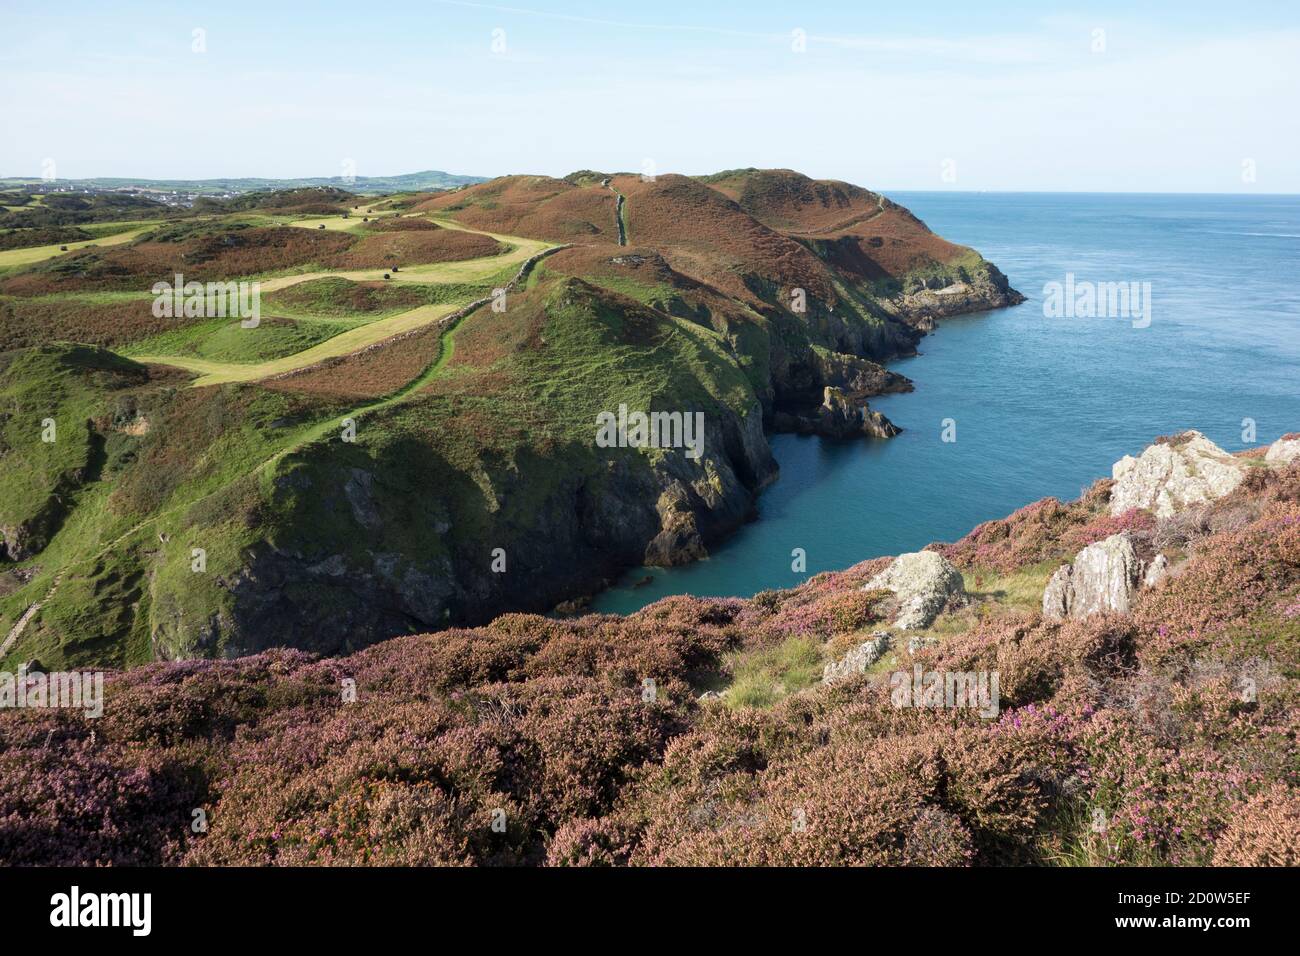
1117, 97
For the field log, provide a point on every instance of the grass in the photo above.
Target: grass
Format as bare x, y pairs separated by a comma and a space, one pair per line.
462, 276
1021, 589
24, 257
222, 371
764, 676
226, 341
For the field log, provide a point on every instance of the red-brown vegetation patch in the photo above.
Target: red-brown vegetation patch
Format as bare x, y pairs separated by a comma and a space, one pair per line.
26, 323
791, 202
536, 207
704, 234
370, 374
486, 338
217, 255
413, 248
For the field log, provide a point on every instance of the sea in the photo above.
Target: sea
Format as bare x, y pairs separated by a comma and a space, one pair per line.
1018, 404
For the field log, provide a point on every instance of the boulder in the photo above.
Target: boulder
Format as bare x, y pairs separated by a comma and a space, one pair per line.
925, 582
1283, 451
1103, 577
1171, 474
857, 660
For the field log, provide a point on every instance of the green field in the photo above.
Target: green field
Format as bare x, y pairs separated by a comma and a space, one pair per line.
241, 364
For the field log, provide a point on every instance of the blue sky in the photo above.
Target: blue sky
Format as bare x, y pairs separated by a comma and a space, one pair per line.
1171, 97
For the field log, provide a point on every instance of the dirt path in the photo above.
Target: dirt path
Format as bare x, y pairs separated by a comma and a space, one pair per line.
618, 212
20, 625
855, 221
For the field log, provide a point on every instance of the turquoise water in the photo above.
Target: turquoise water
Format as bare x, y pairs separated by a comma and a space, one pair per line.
1042, 406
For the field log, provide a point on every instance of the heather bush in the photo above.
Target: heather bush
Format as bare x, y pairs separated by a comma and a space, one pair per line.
70, 800
1038, 532
1264, 832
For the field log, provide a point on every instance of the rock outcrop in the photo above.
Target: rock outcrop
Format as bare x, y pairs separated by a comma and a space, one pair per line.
1173, 473
1103, 577
856, 375
925, 582
1156, 571
954, 292
839, 416
1284, 451
857, 660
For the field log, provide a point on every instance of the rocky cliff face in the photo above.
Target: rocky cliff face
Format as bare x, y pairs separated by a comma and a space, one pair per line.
839, 416
925, 299
365, 578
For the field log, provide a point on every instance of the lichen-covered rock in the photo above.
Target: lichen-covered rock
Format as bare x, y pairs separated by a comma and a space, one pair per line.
1103, 577
857, 660
1169, 475
1058, 593
924, 582
1156, 571
1283, 451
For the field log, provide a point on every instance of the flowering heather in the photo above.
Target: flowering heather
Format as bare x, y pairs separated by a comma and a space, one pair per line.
1164, 736
1039, 531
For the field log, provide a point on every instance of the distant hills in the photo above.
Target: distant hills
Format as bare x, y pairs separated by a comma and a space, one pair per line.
429, 179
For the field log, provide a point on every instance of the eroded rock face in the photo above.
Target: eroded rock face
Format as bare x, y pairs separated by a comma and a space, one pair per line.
1103, 577
1170, 475
1283, 451
925, 582
857, 660
840, 415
